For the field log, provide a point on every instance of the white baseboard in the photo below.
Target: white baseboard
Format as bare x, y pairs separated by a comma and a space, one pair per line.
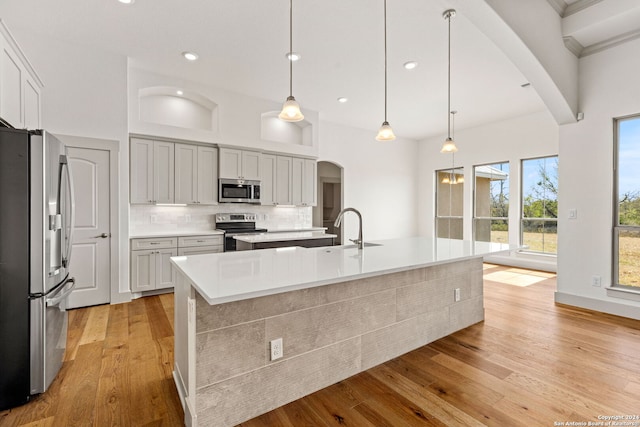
610, 307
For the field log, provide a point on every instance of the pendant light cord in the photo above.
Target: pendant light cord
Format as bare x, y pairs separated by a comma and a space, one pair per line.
290, 47
449, 82
385, 60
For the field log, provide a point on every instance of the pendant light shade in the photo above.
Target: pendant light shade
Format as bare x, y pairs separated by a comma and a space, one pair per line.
385, 133
291, 109
449, 145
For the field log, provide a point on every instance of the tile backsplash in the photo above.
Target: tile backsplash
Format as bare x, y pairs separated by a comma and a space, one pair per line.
151, 218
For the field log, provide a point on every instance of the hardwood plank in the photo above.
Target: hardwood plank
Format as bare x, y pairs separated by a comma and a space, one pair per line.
75, 328
531, 362
112, 400
96, 327
78, 390
158, 322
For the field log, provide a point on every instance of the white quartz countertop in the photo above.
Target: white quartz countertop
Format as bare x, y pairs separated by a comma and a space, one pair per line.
288, 230
280, 237
172, 233
233, 276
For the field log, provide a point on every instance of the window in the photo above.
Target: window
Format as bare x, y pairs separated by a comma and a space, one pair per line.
449, 203
627, 228
491, 204
539, 224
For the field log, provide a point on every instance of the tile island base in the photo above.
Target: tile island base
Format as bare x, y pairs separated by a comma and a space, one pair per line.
223, 369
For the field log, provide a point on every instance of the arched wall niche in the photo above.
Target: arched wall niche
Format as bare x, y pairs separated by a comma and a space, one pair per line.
274, 129
172, 106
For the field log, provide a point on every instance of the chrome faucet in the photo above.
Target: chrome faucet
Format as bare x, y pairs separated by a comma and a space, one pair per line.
359, 240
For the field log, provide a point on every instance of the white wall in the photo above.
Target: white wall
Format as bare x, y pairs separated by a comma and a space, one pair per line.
609, 88
239, 116
534, 135
379, 180
85, 94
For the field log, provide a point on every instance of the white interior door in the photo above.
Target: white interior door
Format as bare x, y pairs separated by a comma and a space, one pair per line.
91, 259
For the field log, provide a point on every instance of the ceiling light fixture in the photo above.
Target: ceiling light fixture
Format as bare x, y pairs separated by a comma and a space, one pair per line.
179, 92
385, 133
190, 56
342, 100
291, 109
449, 145
126, 1
410, 65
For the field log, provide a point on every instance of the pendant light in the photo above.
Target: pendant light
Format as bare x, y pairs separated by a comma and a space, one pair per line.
385, 133
449, 145
291, 109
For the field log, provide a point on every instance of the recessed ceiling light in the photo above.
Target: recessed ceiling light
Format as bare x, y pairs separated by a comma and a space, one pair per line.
293, 56
127, 1
179, 92
410, 65
342, 100
190, 56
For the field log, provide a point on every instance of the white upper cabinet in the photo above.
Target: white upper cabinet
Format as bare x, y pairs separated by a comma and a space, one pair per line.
304, 182
268, 179
163, 172
251, 165
309, 183
152, 171
284, 190
186, 184
168, 172
239, 164
207, 175
20, 86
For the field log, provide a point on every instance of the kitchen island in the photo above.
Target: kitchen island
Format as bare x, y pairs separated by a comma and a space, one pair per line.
339, 310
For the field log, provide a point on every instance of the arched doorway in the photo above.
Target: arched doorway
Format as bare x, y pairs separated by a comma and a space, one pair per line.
330, 198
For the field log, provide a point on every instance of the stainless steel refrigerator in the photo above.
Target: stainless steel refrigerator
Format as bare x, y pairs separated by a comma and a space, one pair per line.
36, 231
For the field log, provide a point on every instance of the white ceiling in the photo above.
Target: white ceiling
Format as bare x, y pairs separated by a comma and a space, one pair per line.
242, 46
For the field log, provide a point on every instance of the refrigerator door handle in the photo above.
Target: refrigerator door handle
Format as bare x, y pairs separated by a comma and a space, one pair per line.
65, 290
66, 260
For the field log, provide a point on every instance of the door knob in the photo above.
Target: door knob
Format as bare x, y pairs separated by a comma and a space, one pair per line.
103, 236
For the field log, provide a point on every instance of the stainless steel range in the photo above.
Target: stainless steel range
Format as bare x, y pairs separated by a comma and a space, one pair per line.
234, 224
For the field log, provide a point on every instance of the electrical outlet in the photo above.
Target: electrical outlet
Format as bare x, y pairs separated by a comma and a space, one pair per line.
456, 294
154, 219
596, 281
187, 218
276, 349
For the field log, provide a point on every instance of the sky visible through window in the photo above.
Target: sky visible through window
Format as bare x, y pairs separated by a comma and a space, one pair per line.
629, 156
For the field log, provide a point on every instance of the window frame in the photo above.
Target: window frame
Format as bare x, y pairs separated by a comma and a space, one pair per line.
438, 217
523, 218
474, 217
616, 227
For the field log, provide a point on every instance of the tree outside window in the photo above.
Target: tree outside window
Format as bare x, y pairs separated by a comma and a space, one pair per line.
539, 224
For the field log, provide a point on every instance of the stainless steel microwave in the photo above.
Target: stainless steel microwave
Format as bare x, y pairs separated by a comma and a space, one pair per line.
238, 191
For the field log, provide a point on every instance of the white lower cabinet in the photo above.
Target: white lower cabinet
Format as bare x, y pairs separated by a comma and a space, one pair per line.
151, 268
150, 258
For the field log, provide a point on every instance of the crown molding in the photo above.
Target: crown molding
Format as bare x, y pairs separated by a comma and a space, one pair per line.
578, 6
573, 45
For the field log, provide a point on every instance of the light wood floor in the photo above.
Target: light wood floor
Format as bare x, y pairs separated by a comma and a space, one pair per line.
530, 363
